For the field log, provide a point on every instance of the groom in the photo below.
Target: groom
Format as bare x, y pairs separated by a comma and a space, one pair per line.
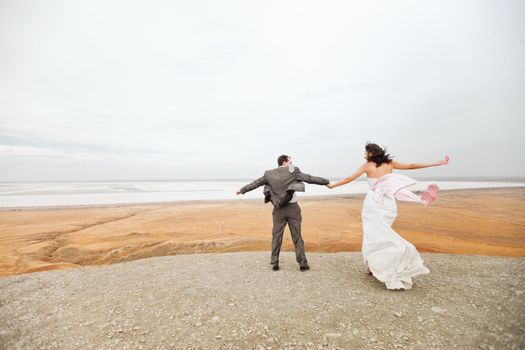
280, 185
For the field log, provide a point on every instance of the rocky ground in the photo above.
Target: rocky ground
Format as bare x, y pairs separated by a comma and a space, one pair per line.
235, 301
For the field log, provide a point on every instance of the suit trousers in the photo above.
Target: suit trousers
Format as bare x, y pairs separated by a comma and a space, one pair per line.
288, 214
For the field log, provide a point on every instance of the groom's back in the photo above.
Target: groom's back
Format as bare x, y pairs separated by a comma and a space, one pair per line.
280, 179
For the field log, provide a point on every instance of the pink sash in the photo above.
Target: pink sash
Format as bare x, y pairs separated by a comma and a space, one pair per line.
395, 186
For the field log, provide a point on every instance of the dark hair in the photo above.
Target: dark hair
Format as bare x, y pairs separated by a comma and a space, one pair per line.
376, 154
282, 159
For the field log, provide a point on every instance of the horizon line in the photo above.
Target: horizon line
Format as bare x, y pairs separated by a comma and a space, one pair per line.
421, 178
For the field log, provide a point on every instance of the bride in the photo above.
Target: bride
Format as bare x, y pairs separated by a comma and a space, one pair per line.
388, 256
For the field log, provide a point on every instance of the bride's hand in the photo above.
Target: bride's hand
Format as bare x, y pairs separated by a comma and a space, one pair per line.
444, 161
330, 185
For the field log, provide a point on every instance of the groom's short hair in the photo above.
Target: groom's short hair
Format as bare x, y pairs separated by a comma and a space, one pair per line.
282, 159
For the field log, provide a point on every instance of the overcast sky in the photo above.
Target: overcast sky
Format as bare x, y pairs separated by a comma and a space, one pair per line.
219, 89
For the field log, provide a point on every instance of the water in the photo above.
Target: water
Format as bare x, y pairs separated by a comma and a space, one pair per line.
33, 194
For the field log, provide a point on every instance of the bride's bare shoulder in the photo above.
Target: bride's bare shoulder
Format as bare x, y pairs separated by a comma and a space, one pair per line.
368, 167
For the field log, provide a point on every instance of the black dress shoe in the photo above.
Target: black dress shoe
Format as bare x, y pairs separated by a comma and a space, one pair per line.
275, 267
304, 268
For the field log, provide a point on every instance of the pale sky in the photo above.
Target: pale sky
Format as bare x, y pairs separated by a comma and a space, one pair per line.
108, 90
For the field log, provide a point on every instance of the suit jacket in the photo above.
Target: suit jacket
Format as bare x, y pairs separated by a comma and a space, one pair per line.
280, 183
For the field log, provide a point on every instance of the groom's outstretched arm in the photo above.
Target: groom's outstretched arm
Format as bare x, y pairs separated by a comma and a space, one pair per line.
253, 185
311, 179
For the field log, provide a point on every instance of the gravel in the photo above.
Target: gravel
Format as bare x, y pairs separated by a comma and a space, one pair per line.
235, 301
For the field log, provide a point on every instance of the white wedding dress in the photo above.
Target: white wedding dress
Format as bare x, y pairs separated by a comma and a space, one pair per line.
388, 256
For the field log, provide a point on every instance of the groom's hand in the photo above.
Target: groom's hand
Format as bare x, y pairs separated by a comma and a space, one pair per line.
238, 192
330, 185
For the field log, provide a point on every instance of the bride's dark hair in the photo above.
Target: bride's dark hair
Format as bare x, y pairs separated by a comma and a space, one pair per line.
376, 154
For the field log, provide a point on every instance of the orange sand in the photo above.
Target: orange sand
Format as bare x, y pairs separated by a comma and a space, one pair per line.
485, 222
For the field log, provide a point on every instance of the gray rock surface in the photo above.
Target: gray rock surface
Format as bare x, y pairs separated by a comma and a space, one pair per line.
235, 301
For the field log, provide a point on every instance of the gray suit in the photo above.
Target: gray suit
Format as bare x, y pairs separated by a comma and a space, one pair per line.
280, 183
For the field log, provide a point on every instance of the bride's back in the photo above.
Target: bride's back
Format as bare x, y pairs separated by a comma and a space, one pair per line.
374, 171
379, 162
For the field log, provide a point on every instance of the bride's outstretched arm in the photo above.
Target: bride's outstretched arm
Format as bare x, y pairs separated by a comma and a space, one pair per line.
350, 178
403, 166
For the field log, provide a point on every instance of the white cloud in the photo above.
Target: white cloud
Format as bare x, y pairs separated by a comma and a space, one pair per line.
222, 89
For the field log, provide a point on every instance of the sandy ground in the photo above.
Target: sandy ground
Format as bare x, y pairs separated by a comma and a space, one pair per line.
485, 222
235, 301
